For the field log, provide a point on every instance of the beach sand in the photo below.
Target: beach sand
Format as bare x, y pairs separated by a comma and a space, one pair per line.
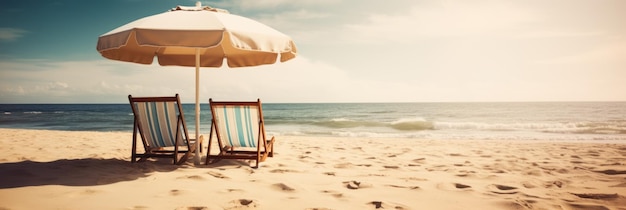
42, 169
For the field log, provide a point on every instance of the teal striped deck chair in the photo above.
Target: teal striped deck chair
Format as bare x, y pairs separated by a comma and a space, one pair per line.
160, 123
239, 131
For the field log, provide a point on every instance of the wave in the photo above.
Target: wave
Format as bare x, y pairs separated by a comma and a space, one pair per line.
421, 124
616, 127
40, 112
346, 123
414, 124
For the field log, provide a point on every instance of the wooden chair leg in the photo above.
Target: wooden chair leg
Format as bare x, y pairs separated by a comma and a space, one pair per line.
208, 152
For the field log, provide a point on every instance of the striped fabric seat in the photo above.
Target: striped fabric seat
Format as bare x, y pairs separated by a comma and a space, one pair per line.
240, 131
240, 124
158, 120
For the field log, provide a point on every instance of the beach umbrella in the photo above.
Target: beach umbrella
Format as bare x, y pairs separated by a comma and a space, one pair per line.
199, 36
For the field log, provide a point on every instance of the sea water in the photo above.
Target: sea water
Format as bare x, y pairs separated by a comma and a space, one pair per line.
483, 121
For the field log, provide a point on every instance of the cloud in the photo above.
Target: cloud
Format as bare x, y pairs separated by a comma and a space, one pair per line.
299, 80
265, 4
109, 81
11, 34
553, 33
449, 19
611, 53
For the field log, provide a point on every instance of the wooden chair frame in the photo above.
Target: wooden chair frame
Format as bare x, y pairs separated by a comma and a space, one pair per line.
182, 139
264, 147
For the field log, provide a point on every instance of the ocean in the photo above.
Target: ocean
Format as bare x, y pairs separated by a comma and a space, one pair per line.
586, 121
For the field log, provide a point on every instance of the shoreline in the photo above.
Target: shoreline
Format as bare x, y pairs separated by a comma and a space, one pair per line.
47, 169
560, 140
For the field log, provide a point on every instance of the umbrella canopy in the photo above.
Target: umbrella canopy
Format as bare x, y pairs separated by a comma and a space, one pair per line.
174, 36
197, 36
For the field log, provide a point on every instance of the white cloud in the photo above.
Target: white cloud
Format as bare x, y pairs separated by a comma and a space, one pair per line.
438, 51
301, 24
298, 80
450, 19
611, 53
264, 4
112, 81
11, 34
554, 33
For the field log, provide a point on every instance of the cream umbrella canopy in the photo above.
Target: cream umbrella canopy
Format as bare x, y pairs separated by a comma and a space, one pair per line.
198, 36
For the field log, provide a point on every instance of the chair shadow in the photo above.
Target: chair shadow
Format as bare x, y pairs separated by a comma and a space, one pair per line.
76, 172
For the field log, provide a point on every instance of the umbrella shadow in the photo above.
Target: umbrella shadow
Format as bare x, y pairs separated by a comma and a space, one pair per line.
76, 172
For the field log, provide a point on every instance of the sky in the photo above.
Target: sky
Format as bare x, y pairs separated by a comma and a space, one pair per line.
348, 51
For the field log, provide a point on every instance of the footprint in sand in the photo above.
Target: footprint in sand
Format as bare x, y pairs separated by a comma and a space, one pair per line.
192, 177
175, 192
353, 185
329, 173
557, 183
377, 204
533, 172
283, 187
597, 196
408, 187
461, 186
333, 193
587, 206
502, 189
281, 171
383, 205
344, 165
414, 179
612, 172
417, 162
217, 175
454, 187
234, 190
528, 184
240, 203
193, 208
465, 173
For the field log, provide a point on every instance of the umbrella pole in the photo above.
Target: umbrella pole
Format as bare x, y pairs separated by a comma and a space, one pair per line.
196, 158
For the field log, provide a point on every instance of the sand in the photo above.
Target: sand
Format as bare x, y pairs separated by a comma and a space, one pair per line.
42, 169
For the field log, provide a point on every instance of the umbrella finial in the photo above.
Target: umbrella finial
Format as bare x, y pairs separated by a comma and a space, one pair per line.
198, 7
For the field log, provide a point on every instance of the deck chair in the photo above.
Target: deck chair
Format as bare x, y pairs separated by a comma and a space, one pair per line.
160, 123
240, 132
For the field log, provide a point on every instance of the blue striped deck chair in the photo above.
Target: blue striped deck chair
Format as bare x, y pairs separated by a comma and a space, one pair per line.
240, 132
160, 123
